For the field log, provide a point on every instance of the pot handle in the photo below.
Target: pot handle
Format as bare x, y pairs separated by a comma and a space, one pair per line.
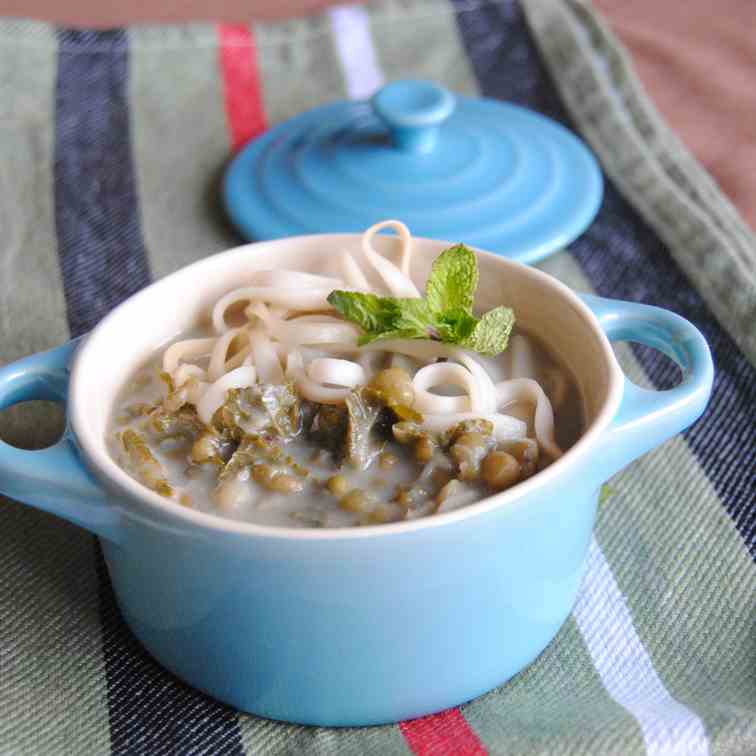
646, 418
54, 479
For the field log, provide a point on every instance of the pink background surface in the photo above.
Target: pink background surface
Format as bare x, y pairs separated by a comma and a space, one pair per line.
697, 59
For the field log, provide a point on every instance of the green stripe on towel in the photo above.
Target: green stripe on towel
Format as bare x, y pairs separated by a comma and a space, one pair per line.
262, 737
52, 684
180, 143
298, 66
27, 227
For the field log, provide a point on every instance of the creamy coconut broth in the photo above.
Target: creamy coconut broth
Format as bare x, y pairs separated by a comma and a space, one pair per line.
272, 413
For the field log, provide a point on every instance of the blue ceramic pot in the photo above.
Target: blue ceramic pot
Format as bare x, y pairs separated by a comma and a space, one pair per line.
353, 626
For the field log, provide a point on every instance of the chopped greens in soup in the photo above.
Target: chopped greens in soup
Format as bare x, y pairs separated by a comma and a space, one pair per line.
398, 407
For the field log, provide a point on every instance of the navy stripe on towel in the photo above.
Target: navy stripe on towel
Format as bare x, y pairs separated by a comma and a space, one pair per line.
103, 261
102, 254
152, 713
625, 259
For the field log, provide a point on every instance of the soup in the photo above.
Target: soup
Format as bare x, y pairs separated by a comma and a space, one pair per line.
336, 401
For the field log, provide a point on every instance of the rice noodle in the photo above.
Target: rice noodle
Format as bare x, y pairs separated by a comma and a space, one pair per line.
297, 333
215, 394
265, 358
336, 372
184, 372
219, 355
441, 374
299, 299
182, 350
352, 273
270, 316
528, 390
195, 390
316, 318
485, 386
396, 278
308, 388
370, 361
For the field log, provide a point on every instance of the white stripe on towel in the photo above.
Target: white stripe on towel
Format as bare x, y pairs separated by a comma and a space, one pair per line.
350, 25
602, 615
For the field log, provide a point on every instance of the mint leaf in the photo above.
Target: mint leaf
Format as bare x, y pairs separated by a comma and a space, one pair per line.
445, 314
414, 316
453, 280
454, 326
491, 334
367, 338
370, 312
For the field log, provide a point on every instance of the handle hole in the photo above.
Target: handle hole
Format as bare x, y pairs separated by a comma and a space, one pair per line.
647, 367
33, 425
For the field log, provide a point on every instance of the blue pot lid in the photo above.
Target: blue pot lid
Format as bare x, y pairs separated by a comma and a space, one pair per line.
483, 172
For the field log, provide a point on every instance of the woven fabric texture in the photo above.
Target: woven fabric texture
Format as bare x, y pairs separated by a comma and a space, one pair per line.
112, 144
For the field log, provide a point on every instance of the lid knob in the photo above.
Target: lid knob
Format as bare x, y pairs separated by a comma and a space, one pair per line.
413, 111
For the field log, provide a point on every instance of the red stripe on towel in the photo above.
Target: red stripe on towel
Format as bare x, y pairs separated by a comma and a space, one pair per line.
241, 84
442, 734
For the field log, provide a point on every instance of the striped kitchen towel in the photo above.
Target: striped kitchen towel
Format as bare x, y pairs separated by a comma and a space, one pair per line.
111, 148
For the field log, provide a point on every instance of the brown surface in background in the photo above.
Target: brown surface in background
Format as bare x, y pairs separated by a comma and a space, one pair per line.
95, 13
697, 59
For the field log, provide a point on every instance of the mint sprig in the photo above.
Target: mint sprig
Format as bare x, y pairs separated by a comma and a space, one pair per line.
444, 314
452, 281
